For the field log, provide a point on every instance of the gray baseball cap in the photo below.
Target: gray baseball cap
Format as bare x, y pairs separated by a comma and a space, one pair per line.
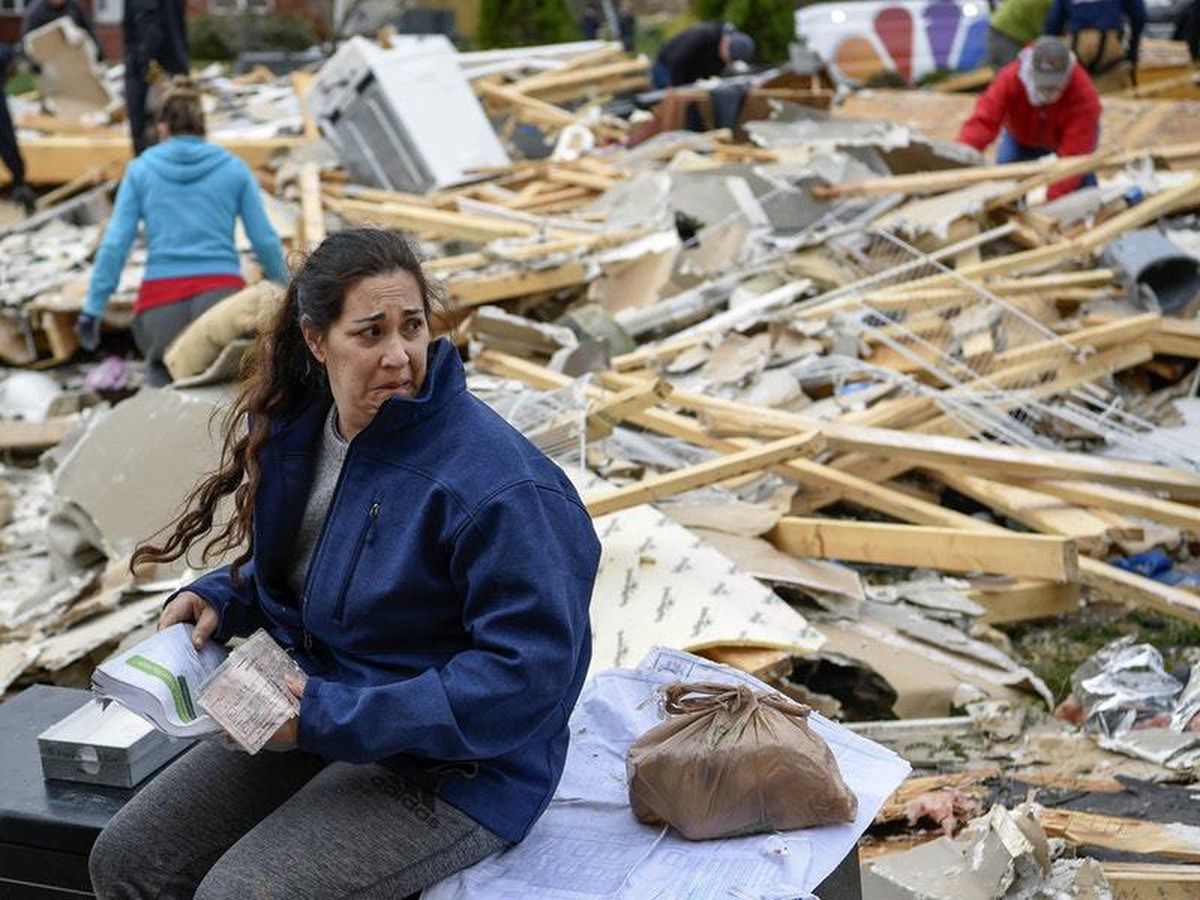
1051, 64
741, 46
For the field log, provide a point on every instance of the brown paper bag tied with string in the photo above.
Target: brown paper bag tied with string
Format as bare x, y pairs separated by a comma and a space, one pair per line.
729, 761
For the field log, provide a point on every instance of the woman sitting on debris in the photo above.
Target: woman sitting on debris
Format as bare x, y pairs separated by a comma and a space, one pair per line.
190, 194
428, 568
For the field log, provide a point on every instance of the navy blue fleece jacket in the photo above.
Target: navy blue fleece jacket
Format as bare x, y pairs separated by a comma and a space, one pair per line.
444, 623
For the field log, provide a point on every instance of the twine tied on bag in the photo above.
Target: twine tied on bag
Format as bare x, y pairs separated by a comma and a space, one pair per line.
684, 697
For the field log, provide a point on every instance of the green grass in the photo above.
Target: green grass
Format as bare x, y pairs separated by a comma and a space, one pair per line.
21, 83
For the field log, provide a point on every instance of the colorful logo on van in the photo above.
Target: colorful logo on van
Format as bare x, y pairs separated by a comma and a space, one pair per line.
911, 38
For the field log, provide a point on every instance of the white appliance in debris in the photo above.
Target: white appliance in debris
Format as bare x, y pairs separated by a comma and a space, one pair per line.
403, 118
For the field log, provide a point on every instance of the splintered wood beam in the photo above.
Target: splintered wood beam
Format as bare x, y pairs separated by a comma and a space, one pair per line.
1171, 337
477, 289
601, 503
1041, 512
578, 81
1128, 835
1125, 330
644, 356
28, 437
935, 182
312, 218
530, 109
604, 415
447, 224
1068, 167
1024, 600
582, 179
949, 549
939, 451
1125, 587
1177, 515
1153, 881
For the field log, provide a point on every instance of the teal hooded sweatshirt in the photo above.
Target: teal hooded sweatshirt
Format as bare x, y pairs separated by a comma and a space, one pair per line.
190, 194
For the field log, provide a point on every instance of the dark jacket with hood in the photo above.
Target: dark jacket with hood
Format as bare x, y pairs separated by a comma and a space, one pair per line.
694, 53
444, 621
190, 194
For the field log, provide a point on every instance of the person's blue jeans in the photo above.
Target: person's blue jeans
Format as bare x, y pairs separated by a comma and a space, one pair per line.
1008, 150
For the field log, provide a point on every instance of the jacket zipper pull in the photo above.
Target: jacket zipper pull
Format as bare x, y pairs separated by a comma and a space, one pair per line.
307, 637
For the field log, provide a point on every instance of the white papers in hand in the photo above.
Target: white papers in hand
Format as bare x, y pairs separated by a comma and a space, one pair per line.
161, 678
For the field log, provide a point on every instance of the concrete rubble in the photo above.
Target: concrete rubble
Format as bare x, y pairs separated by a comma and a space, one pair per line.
854, 410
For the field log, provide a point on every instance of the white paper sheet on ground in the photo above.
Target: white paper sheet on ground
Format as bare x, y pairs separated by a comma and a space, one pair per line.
588, 845
661, 585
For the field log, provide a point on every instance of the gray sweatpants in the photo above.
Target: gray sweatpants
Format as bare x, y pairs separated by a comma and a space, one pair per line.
222, 825
154, 329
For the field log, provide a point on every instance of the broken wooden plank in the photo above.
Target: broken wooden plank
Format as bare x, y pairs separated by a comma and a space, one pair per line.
1124, 330
1024, 600
654, 353
447, 224
604, 415
312, 216
949, 549
33, 437
475, 290
1152, 881
1117, 833
529, 109
1178, 515
938, 451
1170, 337
600, 503
1069, 167
1041, 512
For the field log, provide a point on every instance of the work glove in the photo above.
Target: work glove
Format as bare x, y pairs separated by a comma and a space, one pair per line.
24, 195
87, 330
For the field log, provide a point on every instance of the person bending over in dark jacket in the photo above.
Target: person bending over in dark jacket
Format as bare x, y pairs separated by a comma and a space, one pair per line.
43, 12
700, 51
428, 568
190, 194
1040, 104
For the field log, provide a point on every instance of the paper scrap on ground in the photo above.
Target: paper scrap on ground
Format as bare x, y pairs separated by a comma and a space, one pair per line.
588, 844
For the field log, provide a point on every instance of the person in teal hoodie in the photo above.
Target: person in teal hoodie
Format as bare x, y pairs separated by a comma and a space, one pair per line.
427, 567
189, 193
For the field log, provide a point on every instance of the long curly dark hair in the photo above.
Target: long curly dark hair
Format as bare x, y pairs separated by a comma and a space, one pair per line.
280, 379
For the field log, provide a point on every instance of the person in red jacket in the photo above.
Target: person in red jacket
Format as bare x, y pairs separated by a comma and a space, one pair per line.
1041, 103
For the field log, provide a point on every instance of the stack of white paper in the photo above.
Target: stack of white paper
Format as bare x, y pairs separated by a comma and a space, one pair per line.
161, 678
